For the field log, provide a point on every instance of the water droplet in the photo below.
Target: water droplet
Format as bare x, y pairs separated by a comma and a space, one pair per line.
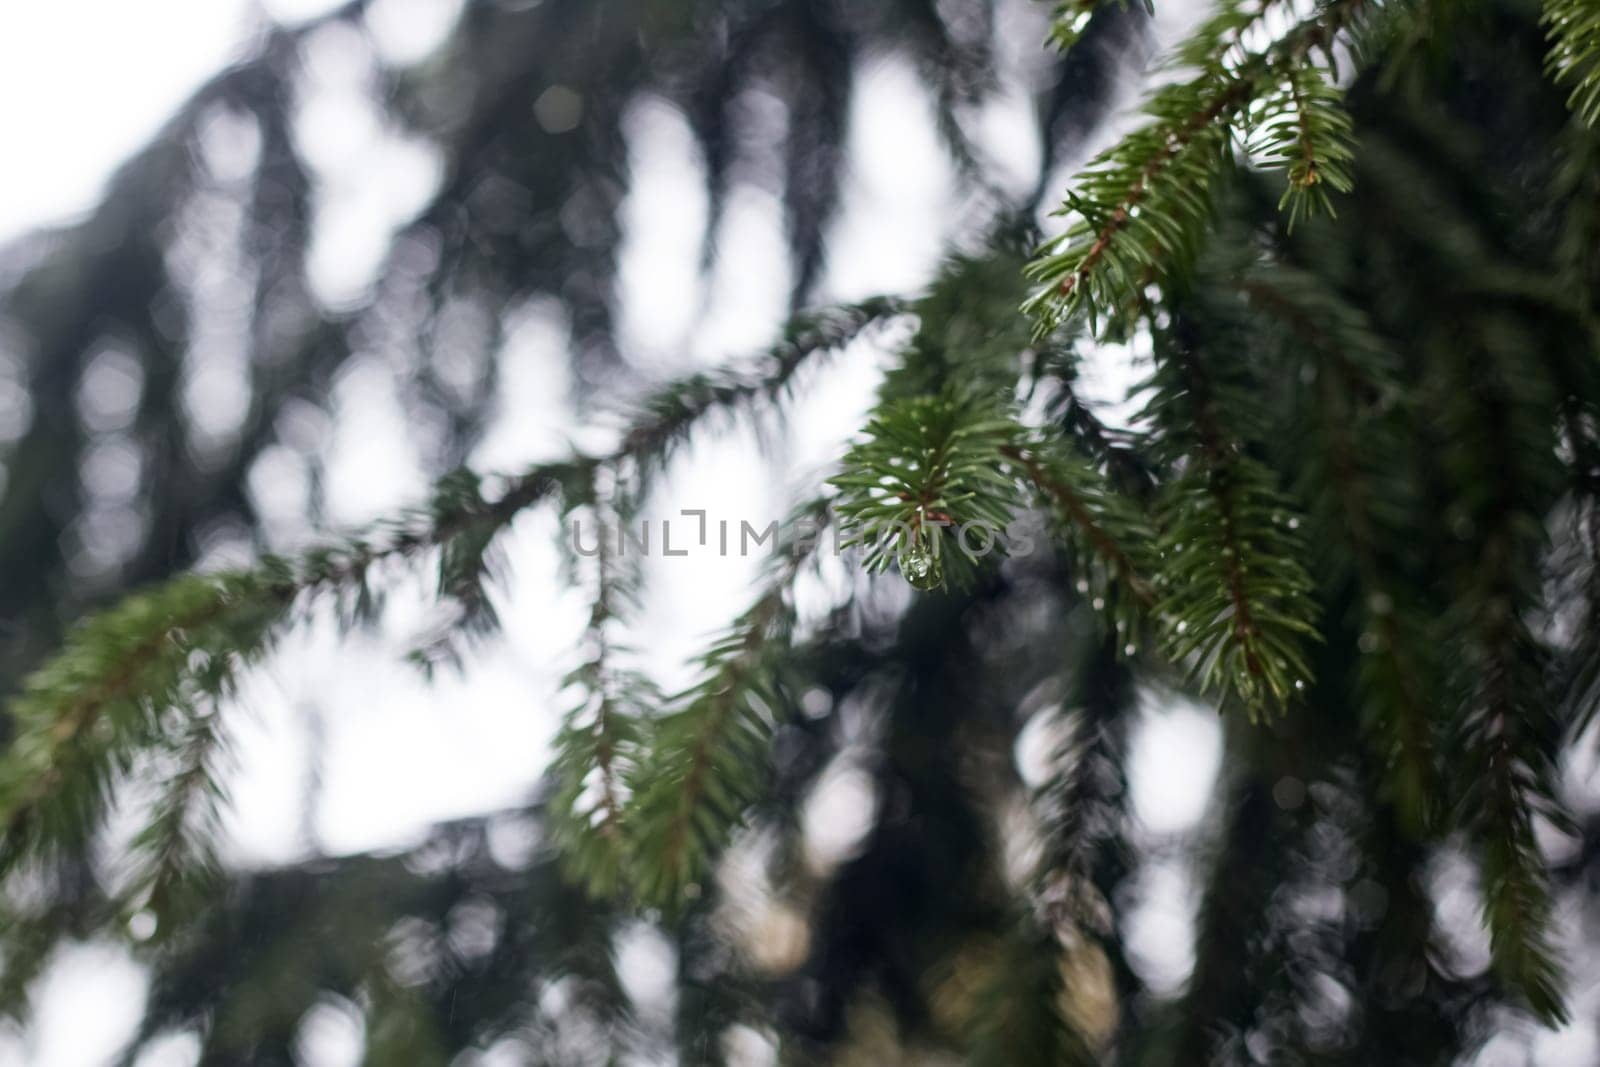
1129, 649
921, 568
1300, 685
1099, 603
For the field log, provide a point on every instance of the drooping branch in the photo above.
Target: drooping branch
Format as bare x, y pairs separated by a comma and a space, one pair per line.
706, 755
180, 645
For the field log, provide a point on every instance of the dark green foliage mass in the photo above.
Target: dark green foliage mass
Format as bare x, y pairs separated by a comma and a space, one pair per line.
1352, 245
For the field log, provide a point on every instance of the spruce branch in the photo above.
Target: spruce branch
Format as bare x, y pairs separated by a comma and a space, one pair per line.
1237, 597
469, 563
1303, 129
1497, 415
1576, 372
1573, 29
82, 718
1140, 205
968, 331
1072, 18
1080, 802
1139, 209
664, 420
1353, 472
1505, 735
706, 754
1055, 1000
1112, 545
175, 860
1236, 601
930, 470
1113, 448
597, 747
86, 715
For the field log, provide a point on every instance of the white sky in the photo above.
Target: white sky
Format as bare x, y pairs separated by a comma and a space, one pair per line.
83, 83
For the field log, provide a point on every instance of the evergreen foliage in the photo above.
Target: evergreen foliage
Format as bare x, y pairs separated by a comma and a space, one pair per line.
1356, 513
708, 749
931, 471
1574, 29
